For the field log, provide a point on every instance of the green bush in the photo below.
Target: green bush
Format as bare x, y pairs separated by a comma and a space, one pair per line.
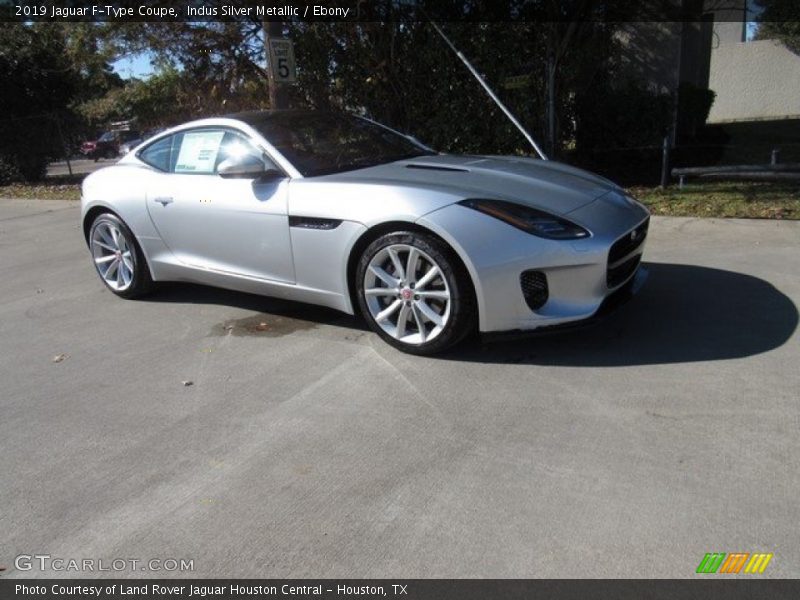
621, 116
22, 167
694, 104
37, 84
9, 172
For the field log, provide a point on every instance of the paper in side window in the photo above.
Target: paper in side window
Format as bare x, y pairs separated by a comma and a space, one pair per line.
199, 151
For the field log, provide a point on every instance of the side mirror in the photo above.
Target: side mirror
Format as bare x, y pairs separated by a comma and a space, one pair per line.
246, 167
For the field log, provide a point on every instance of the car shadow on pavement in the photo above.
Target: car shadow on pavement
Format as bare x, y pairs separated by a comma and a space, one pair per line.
684, 313
276, 314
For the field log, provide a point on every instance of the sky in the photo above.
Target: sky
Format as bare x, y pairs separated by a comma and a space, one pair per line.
134, 66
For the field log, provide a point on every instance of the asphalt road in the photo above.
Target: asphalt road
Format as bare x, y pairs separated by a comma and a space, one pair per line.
306, 447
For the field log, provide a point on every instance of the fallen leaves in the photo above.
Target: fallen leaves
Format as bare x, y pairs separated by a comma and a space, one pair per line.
41, 191
760, 200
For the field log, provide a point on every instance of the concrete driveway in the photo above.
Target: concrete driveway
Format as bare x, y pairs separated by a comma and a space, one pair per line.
306, 447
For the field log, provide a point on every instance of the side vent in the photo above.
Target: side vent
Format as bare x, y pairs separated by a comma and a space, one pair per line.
314, 223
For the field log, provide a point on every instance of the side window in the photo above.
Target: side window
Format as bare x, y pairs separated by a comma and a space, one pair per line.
198, 151
158, 155
235, 145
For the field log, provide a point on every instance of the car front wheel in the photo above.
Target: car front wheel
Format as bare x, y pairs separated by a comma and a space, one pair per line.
415, 293
117, 257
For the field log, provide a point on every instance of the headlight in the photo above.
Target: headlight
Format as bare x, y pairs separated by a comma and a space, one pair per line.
528, 219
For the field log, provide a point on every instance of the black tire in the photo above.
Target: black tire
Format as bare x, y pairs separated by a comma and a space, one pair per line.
462, 310
141, 283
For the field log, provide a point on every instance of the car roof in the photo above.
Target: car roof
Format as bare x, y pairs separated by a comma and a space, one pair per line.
252, 117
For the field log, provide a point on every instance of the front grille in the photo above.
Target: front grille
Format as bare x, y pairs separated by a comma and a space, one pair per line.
620, 273
620, 268
627, 243
534, 288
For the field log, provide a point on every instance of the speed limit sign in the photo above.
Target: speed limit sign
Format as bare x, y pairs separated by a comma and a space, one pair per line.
281, 60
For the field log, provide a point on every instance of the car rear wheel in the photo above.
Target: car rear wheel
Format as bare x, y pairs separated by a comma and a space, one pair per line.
415, 293
117, 257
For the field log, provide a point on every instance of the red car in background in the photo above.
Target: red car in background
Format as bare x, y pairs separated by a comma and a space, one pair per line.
107, 145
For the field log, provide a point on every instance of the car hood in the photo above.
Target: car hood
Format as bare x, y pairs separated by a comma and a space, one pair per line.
549, 185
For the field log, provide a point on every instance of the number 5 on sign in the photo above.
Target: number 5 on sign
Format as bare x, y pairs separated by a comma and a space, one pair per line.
281, 60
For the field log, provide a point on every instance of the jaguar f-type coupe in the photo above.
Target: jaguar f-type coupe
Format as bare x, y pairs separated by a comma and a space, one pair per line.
340, 211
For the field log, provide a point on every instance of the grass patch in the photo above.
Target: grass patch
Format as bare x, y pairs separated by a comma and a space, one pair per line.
69, 191
747, 200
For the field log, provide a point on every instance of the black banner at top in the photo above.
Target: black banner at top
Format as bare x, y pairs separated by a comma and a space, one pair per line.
373, 10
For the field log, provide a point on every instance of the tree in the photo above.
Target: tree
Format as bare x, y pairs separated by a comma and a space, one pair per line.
39, 82
403, 74
223, 60
780, 19
394, 68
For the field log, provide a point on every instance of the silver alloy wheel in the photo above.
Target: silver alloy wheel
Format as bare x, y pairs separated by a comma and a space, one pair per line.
407, 294
113, 255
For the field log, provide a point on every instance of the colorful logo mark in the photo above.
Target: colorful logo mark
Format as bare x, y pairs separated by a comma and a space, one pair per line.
720, 562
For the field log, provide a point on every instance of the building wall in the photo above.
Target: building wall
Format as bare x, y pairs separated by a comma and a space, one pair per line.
728, 32
756, 80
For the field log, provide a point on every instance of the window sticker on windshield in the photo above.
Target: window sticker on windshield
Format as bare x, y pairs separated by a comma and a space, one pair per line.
199, 152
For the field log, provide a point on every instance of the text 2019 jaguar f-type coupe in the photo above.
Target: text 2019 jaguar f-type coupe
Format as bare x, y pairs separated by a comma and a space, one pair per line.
340, 211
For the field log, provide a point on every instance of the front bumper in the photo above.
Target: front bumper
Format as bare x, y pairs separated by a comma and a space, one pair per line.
577, 271
608, 306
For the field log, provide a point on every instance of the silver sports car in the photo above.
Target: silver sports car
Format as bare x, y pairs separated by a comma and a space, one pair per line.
340, 211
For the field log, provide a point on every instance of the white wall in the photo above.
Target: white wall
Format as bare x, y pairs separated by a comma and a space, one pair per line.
754, 81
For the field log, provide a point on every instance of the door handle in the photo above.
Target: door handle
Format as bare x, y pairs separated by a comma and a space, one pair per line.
163, 200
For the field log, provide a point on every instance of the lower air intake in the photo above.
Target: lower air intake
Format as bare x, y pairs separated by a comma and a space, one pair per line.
534, 288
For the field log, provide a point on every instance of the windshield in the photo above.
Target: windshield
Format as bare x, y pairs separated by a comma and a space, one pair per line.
107, 137
324, 143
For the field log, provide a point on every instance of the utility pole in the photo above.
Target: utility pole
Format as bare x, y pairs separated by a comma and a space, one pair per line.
278, 94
